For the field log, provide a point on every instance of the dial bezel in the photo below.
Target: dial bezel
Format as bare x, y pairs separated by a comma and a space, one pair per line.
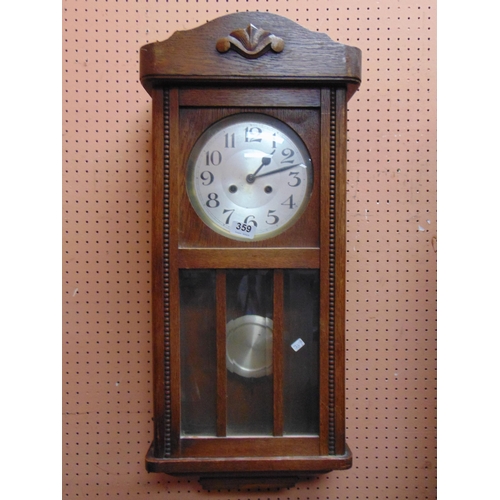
249, 119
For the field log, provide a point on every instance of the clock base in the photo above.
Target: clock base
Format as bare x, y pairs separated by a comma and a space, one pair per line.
256, 483
249, 472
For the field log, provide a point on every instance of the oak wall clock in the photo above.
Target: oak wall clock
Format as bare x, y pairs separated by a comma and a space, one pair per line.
249, 180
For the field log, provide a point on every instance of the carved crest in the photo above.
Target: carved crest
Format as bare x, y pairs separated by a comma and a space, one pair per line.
251, 42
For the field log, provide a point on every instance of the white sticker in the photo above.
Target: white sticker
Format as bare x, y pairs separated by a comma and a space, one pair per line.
298, 344
243, 229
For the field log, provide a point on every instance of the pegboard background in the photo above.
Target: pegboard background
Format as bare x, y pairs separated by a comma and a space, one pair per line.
391, 260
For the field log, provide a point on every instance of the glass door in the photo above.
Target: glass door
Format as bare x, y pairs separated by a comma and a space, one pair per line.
249, 352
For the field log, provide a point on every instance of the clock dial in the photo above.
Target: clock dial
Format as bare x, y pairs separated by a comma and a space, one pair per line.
249, 177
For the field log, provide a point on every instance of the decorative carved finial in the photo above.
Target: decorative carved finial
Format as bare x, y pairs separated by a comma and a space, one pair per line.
251, 42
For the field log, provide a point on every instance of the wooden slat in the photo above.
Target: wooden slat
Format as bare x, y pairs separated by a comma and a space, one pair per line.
326, 164
278, 352
172, 300
269, 97
340, 266
220, 297
244, 447
249, 258
263, 465
157, 275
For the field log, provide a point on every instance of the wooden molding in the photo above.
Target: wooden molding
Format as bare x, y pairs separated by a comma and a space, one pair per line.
251, 42
201, 55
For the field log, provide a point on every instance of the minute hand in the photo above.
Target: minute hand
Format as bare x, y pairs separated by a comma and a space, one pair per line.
282, 169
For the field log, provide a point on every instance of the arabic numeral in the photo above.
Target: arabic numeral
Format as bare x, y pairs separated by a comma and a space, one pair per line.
253, 134
246, 228
207, 177
288, 153
213, 158
296, 177
228, 211
289, 202
213, 200
250, 220
229, 141
274, 218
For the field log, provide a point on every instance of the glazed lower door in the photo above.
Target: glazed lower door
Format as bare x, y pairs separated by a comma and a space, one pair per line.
249, 360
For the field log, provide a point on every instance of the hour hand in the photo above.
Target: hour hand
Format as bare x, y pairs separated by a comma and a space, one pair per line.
266, 160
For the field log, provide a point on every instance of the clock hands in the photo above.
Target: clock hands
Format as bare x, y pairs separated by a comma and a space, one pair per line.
282, 169
266, 160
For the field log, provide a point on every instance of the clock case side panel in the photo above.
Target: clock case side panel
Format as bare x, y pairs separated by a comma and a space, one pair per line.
164, 319
338, 274
158, 447
332, 262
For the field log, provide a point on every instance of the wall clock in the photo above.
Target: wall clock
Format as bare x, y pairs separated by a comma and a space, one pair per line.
249, 172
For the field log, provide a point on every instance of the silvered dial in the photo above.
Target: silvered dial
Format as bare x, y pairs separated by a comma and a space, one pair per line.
249, 177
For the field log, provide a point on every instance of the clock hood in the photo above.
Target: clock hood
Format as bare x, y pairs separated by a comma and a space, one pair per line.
250, 47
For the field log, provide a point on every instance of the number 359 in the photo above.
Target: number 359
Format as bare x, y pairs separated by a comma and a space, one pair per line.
240, 226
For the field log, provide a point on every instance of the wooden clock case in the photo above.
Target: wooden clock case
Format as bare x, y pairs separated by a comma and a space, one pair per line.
263, 63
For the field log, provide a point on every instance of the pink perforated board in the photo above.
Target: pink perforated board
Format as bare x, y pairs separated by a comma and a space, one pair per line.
391, 259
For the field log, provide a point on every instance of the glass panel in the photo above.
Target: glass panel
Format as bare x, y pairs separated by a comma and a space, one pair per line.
198, 352
301, 352
249, 335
